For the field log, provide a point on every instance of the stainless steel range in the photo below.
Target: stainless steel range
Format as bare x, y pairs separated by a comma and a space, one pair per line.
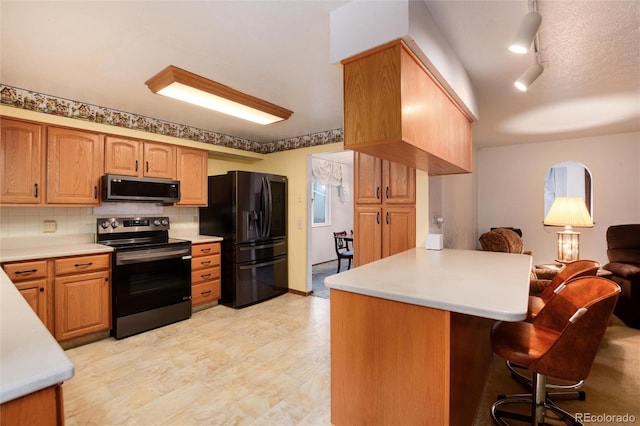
151, 282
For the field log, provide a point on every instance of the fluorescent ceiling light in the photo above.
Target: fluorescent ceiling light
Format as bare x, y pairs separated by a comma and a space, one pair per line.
188, 87
528, 77
526, 33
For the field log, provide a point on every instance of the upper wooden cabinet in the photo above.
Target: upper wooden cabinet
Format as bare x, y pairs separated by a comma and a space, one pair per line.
131, 157
21, 162
394, 109
192, 174
74, 166
381, 180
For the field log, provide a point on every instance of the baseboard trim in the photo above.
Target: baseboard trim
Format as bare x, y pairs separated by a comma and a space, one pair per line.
301, 293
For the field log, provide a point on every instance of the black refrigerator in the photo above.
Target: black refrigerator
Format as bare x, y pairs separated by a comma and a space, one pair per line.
249, 211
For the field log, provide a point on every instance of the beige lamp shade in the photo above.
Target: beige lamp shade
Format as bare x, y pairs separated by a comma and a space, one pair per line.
569, 211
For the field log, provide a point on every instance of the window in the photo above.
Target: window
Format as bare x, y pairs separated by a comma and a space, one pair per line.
321, 202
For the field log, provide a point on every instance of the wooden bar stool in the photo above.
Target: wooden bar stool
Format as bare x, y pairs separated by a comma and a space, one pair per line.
560, 342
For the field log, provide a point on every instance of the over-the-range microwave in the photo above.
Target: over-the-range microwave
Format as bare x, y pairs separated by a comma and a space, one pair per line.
129, 188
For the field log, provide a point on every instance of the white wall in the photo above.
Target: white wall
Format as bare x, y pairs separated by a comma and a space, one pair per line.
510, 189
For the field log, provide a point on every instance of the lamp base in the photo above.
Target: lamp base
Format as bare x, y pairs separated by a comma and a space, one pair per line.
568, 246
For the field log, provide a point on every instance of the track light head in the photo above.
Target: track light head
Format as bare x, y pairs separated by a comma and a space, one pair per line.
528, 77
526, 33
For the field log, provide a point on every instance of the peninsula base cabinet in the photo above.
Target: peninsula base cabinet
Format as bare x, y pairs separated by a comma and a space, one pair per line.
404, 364
44, 407
82, 296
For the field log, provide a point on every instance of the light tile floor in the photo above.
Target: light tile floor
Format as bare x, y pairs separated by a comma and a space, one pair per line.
265, 364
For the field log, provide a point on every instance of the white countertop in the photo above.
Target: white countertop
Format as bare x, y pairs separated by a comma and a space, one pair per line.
485, 284
30, 358
198, 239
59, 250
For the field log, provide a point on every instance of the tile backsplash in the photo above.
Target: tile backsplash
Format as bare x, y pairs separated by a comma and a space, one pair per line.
17, 222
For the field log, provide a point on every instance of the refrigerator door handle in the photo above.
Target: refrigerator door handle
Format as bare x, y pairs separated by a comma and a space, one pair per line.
263, 208
258, 265
269, 208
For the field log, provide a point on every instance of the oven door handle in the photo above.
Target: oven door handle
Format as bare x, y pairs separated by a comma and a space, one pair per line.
151, 255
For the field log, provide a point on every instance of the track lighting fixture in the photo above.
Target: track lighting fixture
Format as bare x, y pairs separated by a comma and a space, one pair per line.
527, 32
528, 77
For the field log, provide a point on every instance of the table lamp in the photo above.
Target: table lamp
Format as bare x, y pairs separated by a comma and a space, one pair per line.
568, 212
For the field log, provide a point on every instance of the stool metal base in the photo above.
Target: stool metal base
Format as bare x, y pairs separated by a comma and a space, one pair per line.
538, 404
558, 392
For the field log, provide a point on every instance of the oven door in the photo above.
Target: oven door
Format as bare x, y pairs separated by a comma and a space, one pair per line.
150, 278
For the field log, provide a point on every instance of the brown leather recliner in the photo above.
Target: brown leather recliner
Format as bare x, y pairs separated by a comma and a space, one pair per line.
623, 250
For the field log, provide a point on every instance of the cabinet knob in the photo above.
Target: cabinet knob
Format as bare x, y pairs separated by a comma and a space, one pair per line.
95, 192
41, 289
378, 218
387, 192
387, 218
378, 192
35, 190
147, 166
136, 165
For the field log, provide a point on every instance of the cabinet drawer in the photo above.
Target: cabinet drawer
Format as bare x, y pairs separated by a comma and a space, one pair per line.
198, 263
26, 270
198, 250
203, 275
80, 264
205, 292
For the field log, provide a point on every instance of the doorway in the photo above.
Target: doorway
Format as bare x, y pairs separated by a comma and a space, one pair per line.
329, 210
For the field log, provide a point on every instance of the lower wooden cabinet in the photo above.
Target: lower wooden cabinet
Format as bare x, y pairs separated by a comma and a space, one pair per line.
32, 280
82, 296
205, 273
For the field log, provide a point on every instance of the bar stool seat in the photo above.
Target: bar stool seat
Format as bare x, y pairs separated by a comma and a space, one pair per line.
560, 342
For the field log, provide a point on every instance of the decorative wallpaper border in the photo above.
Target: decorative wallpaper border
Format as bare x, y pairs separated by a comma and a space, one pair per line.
48, 104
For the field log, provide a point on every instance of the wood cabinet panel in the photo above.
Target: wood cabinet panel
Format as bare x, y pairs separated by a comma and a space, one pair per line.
159, 160
395, 109
21, 271
192, 174
35, 293
399, 183
43, 407
74, 166
21, 162
367, 244
399, 229
205, 273
122, 156
367, 179
33, 281
82, 304
82, 295
82, 264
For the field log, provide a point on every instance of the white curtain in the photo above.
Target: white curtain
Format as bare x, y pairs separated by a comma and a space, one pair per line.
330, 173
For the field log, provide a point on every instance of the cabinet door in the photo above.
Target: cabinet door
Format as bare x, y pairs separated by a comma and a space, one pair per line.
192, 174
398, 229
122, 156
159, 160
82, 305
367, 236
74, 166
21, 162
399, 183
367, 179
35, 293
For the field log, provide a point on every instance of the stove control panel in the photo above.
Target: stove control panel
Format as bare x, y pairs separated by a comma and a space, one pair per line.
132, 224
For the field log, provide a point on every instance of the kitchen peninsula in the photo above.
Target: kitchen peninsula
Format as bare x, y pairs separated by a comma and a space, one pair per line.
410, 334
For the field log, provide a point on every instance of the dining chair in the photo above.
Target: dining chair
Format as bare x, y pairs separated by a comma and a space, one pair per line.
343, 251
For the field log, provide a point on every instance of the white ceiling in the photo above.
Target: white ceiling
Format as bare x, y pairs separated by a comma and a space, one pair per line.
103, 52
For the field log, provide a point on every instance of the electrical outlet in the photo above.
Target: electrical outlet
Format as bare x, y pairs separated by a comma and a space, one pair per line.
49, 226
